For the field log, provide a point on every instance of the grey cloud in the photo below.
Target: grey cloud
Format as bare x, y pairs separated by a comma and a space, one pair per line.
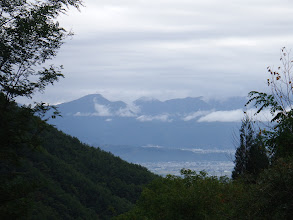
104, 111
198, 48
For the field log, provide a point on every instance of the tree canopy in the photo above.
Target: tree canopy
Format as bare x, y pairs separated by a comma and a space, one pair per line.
279, 135
30, 35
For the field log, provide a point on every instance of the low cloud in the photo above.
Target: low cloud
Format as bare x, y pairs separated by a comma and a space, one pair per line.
236, 116
195, 115
102, 110
146, 118
152, 146
105, 111
200, 116
130, 111
223, 116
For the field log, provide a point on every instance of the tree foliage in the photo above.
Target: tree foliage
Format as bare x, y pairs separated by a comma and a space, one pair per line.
30, 35
280, 99
278, 139
250, 156
199, 196
192, 196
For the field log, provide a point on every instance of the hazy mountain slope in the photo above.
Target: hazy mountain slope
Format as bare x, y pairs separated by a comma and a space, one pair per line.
128, 131
173, 106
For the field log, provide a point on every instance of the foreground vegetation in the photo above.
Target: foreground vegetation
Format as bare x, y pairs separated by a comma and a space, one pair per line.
199, 196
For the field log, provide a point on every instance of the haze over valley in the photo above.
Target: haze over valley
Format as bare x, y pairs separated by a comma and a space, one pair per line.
164, 136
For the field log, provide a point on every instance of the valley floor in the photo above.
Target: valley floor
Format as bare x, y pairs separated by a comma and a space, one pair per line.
214, 168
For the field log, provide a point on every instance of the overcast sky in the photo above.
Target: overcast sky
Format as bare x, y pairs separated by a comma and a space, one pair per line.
125, 49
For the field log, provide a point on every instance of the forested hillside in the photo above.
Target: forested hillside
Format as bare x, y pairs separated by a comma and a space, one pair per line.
49, 174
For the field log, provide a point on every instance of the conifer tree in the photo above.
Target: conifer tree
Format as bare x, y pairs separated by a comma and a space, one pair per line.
250, 156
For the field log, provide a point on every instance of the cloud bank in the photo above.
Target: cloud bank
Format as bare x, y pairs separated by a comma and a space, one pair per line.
223, 116
200, 116
236, 116
171, 48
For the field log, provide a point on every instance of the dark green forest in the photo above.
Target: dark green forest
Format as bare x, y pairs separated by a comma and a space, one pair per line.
46, 174
57, 177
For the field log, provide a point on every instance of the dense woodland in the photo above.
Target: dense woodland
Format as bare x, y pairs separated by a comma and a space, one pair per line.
46, 174
55, 176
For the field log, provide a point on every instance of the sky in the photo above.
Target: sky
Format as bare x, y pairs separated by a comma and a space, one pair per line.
126, 49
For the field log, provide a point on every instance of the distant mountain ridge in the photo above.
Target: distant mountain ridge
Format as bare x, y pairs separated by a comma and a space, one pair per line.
176, 123
172, 106
97, 105
88, 104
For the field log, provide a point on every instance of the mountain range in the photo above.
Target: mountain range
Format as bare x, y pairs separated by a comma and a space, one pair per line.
97, 105
176, 123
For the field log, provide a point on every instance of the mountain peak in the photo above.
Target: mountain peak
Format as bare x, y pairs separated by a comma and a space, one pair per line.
89, 103
92, 97
146, 99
